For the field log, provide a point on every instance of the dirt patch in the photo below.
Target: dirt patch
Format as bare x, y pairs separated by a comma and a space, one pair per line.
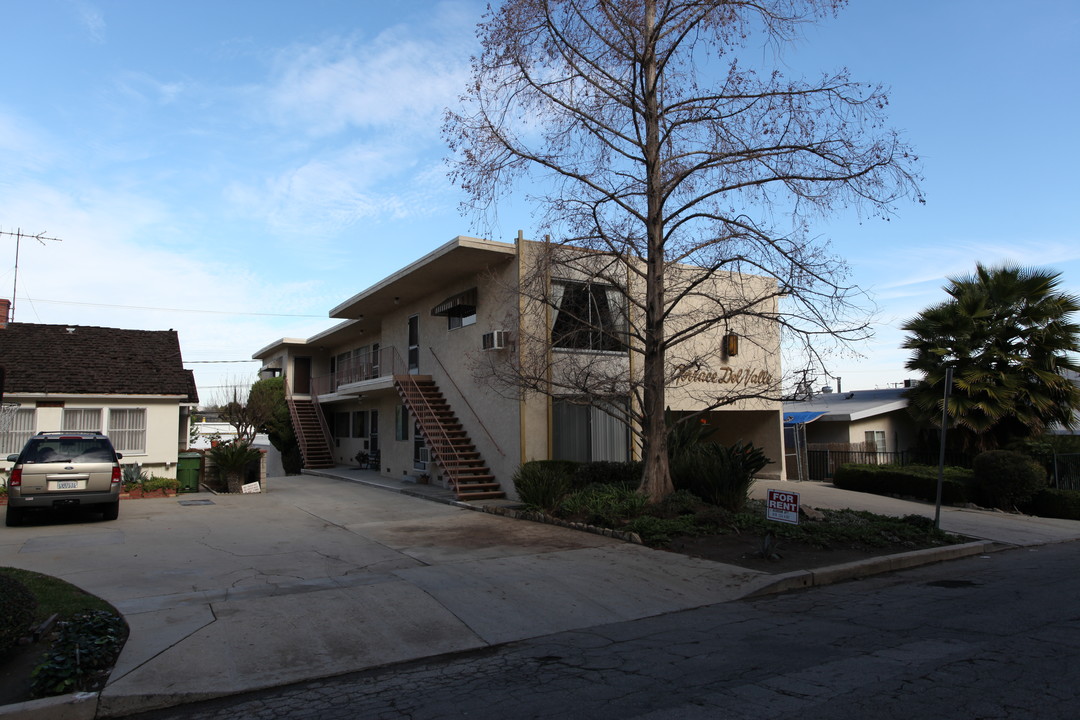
787, 555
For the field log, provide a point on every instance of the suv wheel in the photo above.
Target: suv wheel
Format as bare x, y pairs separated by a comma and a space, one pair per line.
14, 516
110, 511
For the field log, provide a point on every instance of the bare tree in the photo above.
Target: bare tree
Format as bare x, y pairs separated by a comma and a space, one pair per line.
245, 410
646, 137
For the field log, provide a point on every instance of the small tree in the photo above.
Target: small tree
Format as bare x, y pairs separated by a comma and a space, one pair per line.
1008, 334
270, 406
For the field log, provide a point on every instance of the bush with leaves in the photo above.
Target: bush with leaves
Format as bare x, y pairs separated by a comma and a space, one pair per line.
605, 505
84, 648
608, 473
232, 461
18, 608
133, 476
1006, 479
718, 474
543, 484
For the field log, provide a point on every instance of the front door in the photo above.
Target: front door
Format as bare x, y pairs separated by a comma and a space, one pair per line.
302, 379
414, 344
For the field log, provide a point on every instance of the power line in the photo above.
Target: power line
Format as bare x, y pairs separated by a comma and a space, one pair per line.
204, 362
179, 310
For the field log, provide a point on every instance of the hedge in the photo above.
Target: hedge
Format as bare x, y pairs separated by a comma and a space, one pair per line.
919, 481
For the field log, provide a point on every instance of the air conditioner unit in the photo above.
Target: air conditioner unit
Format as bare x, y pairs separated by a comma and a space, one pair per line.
423, 455
496, 340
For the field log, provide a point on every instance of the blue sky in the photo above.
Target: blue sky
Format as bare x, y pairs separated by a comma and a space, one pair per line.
234, 169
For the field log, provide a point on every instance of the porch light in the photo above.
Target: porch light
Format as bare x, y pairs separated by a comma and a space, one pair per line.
731, 345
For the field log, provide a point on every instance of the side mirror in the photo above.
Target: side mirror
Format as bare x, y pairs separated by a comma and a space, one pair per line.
119, 456
13, 458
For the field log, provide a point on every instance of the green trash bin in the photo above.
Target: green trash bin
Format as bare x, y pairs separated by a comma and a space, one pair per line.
188, 467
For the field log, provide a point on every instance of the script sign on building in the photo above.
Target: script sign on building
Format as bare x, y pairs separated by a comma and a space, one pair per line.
782, 506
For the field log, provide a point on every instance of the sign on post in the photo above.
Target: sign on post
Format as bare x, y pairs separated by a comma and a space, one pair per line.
782, 506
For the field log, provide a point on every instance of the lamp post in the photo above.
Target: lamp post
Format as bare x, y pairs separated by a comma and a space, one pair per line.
941, 456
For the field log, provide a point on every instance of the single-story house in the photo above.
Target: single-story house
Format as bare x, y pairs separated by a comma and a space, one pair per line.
875, 422
130, 384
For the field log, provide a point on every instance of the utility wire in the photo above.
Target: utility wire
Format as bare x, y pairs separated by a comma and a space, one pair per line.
179, 310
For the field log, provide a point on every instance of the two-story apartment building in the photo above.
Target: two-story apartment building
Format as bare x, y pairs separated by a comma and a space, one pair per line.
409, 383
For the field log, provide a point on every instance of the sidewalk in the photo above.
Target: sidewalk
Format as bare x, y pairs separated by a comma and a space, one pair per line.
331, 574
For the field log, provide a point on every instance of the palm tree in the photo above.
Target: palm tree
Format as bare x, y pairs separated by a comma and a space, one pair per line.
1007, 333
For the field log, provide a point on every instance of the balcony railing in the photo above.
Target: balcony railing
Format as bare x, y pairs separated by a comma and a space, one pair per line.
384, 363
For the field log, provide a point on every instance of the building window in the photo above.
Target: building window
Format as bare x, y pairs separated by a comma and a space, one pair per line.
875, 441
585, 433
127, 430
454, 321
22, 427
588, 316
459, 310
401, 423
341, 425
359, 424
81, 420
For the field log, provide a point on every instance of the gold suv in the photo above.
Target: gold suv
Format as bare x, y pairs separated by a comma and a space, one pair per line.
64, 470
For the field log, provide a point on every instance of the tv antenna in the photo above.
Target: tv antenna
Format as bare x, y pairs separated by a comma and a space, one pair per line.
19, 235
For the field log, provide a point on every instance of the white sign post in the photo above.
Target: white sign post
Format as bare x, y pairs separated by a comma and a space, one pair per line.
782, 506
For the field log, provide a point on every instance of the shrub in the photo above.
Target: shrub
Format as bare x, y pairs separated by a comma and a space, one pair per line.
718, 474
1006, 479
606, 505
18, 609
543, 484
133, 476
1053, 503
608, 473
232, 460
84, 646
918, 481
160, 483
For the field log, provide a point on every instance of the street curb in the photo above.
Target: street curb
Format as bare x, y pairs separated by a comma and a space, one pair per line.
799, 579
76, 706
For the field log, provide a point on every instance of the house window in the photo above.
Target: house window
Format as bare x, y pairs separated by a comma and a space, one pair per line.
359, 424
585, 433
22, 427
81, 420
588, 316
127, 430
875, 441
401, 423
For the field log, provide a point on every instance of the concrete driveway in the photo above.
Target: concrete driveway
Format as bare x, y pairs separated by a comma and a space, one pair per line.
321, 576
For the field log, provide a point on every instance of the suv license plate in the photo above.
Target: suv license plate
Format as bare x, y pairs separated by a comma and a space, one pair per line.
69, 485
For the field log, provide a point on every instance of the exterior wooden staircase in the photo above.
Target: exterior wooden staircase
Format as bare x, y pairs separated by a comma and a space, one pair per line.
447, 440
311, 432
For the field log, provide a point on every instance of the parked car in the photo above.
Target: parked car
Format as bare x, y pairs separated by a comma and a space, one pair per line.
64, 470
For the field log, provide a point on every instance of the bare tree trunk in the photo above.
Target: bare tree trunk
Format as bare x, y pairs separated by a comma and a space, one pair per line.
657, 481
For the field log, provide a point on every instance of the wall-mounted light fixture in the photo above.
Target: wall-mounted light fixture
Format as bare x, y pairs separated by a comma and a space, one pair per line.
731, 345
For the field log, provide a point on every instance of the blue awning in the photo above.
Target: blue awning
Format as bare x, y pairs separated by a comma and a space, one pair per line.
801, 418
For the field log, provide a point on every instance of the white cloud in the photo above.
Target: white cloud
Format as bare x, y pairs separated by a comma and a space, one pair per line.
93, 20
400, 80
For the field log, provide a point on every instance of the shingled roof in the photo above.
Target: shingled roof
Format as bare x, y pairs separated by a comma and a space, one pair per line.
84, 360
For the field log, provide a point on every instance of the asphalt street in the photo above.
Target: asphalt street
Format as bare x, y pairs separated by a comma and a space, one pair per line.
992, 636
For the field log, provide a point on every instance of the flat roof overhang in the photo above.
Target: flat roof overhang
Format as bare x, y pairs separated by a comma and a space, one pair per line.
463, 258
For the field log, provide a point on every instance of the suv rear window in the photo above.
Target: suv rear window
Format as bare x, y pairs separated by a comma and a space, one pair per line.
66, 450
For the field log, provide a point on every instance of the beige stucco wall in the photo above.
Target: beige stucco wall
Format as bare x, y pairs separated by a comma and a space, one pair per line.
163, 435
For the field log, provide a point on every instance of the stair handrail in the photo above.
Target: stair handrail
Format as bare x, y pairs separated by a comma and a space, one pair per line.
465, 399
410, 391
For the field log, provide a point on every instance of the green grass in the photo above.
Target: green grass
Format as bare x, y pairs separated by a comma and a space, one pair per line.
55, 596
